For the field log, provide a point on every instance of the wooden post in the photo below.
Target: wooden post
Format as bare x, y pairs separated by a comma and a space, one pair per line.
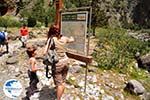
88, 45
86, 59
58, 13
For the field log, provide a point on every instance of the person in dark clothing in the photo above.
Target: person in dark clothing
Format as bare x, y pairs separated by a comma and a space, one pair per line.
4, 40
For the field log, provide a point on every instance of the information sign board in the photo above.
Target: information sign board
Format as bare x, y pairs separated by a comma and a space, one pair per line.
75, 24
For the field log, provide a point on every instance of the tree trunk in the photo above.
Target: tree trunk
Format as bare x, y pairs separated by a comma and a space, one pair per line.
94, 28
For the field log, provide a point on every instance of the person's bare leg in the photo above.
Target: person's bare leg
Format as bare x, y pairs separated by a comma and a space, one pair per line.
60, 91
7, 48
1, 48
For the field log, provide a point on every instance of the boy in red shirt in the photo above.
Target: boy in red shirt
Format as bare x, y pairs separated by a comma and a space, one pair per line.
24, 34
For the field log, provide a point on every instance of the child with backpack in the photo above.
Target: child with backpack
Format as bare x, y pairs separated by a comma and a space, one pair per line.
4, 40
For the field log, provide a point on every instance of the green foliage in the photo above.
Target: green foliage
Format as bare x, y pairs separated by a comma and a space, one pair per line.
38, 24
40, 10
131, 26
31, 22
139, 74
120, 4
99, 18
10, 22
70, 4
117, 49
76, 3
51, 14
103, 10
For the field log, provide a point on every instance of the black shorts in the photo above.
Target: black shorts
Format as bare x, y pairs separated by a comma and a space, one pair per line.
2, 42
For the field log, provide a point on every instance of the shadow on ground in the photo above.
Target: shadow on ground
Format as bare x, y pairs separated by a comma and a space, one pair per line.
45, 93
48, 93
2, 53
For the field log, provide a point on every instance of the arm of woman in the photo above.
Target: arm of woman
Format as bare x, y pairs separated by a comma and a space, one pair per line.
70, 39
46, 47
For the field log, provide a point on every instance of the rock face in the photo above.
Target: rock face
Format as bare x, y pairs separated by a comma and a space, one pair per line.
134, 87
3, 8
6, 8
140, 13
123, 12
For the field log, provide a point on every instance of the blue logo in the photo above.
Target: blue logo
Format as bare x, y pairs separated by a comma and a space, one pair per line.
12, 88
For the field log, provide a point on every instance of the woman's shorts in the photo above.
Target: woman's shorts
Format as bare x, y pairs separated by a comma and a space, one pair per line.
60, 72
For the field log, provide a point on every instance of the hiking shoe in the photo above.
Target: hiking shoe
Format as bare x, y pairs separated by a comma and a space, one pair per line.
37, 90
1, 53
26, 98
35, 95
6, 52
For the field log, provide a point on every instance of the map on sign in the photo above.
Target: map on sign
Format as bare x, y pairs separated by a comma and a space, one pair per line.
75, 24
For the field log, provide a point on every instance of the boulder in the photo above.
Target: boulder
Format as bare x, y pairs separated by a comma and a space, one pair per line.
12, 60
144, 61
146, 96
135, 87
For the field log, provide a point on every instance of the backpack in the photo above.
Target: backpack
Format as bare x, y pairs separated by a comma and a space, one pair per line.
2, 35
51, 56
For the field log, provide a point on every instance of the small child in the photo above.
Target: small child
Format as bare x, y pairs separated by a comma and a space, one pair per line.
31, 51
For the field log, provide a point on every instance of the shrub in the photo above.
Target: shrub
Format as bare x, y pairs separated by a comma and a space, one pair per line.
131, 26
31, 22
117, 49
38, 24
9, 22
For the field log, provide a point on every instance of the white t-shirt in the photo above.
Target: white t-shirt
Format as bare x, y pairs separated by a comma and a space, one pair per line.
5, 33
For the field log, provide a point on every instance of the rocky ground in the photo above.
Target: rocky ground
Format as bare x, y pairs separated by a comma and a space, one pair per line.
100, 85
